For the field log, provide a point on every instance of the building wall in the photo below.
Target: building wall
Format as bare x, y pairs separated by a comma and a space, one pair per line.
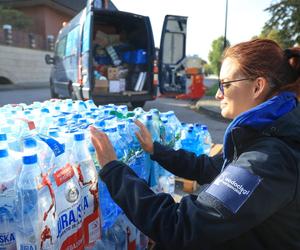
24, 66
47, 21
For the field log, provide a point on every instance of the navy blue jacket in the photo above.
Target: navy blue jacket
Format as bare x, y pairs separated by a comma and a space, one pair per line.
260, 209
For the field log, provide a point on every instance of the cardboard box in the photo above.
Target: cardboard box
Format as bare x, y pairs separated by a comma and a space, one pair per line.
112, 73
101, 86
101, 83
116, 86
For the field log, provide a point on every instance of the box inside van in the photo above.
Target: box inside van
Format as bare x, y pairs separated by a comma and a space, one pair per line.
123, 55
109, 56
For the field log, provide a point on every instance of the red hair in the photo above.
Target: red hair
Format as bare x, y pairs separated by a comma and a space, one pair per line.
265, 58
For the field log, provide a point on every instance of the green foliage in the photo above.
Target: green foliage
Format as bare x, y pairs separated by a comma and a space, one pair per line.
212, 90
15, 18
279, 36
215, 55
284, 23
207, 69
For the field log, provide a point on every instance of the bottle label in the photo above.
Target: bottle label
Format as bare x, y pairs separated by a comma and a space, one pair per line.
7, 197
55, 146
31, 125
70, 207
63, 175
88, 181
7, 240
27, 247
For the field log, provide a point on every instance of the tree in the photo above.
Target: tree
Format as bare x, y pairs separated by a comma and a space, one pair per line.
15, 18
279, 36
215, 55
285, 20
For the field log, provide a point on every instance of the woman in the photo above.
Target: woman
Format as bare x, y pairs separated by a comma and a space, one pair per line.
250, 195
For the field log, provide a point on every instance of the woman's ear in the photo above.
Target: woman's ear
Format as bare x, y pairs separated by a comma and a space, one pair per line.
261, 88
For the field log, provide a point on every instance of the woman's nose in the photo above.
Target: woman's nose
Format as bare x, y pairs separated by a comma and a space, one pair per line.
219, 95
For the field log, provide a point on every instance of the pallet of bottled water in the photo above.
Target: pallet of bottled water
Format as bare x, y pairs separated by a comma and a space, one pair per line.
50, 193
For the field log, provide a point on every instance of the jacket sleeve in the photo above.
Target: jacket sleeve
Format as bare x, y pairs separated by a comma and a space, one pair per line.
204, 221
182, 163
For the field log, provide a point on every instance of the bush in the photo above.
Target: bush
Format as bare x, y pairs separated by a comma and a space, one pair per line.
212, 90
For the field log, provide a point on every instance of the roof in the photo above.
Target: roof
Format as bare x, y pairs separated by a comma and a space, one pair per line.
67, 6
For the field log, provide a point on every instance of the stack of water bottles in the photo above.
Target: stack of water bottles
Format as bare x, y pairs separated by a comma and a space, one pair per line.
50, 193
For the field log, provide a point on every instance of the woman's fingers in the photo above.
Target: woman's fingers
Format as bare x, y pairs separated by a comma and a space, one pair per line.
139, 137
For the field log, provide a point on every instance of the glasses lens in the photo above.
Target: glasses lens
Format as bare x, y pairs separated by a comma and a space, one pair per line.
221, 87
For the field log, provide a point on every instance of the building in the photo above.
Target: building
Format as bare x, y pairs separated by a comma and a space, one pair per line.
48, 15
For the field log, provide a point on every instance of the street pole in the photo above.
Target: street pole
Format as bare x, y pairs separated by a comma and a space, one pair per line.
226, 11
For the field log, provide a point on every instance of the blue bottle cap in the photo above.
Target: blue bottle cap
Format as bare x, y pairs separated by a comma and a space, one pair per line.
77, 116
53, 133
82, 120
113, 129
79, 136
3, 153
3, 137
30, 159
164, 120
121, 125
45, 110
100, 123
204, 127
30, 143
149, 117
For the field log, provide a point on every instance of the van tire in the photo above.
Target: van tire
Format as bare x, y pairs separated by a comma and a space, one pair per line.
137, 104
52, 91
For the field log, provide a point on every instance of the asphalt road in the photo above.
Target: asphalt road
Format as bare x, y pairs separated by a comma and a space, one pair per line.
180, 107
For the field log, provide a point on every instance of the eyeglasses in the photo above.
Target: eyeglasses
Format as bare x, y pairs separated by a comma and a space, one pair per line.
221, 84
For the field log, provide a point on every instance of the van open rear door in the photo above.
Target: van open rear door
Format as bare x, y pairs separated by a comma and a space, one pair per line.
172, 54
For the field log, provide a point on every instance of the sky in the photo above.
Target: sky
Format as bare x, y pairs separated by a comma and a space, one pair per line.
206, 19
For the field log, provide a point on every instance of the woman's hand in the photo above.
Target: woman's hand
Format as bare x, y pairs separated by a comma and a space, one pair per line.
144, 137
104, 149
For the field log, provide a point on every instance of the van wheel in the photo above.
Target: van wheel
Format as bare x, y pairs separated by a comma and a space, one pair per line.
52, 91
138, 104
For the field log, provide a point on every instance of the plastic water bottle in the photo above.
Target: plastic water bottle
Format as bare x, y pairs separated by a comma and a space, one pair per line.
88, 181
207, 142
175, 123
153, 166
28, 218
200, 138
8, 172
67, 198
166, 181
188, 141
118, 143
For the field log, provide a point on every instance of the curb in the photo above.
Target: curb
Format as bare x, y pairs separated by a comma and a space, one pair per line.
206, 109
9, 87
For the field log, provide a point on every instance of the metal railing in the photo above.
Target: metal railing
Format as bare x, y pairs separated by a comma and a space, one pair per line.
22, 39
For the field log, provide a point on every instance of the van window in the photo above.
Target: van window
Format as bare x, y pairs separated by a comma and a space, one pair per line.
173, 43
72, 42
86, 33
60, 48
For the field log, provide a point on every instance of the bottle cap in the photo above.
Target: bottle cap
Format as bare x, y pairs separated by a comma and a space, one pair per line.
45, 110
79, 136
30, 159
3, 153
30, 143
3, 137
121, 125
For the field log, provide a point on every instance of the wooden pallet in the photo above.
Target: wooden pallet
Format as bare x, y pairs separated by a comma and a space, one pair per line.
190, 186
